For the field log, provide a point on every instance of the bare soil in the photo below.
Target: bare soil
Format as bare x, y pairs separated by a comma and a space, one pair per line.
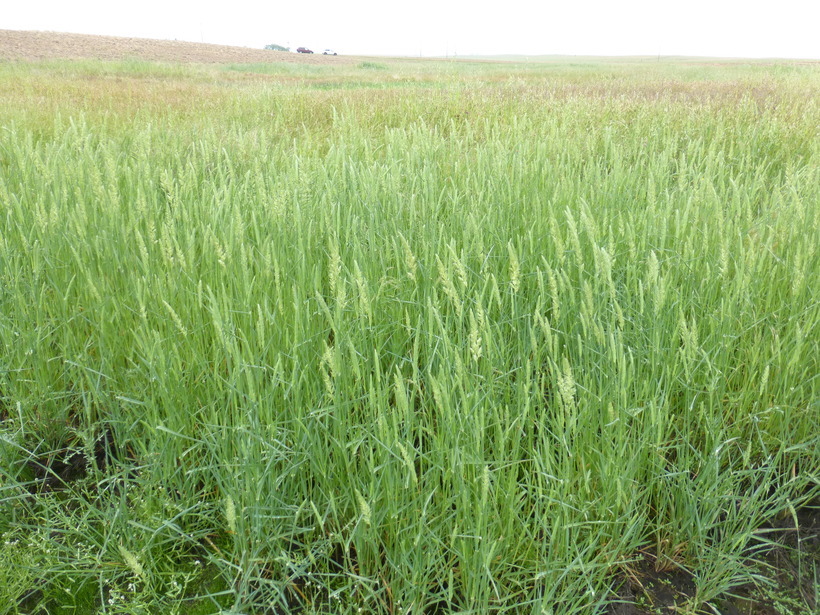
789, 565
22, 45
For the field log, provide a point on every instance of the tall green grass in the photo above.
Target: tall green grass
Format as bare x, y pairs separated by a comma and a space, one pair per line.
467, 349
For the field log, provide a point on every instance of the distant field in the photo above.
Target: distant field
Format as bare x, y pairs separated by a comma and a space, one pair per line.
397, 336
32, 45
37, 45
696, 60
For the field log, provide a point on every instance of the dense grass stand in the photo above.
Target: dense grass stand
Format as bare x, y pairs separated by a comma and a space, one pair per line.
405, 337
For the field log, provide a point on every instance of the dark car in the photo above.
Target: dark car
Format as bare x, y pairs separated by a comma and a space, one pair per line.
303, 50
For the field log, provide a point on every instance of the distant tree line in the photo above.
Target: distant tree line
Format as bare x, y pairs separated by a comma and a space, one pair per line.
277, 47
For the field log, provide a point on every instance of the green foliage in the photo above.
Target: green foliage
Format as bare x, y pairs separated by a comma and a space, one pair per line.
275, 47
373, 65
447, 344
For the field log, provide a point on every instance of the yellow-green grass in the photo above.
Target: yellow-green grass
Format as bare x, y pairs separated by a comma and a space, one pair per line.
437, 337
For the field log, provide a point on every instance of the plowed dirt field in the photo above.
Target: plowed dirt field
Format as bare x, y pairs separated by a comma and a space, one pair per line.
28, 45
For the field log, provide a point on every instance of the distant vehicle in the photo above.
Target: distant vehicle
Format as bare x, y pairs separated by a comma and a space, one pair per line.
329, 52
303, 50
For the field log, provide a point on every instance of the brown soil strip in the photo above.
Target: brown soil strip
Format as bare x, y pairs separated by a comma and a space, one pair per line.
22, 45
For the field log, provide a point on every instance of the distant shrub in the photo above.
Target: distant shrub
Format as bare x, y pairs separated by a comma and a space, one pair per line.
274, 47
373, 65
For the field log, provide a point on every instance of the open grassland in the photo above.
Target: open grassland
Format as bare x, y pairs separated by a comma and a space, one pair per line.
405, 337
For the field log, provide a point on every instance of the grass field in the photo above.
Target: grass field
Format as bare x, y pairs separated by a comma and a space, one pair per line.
407, 337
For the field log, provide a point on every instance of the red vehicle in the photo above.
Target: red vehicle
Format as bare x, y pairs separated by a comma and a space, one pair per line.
303, 50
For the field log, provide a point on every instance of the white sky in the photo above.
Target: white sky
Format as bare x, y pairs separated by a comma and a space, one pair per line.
727, 28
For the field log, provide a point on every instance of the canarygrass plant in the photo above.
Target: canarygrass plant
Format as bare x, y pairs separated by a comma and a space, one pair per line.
467, 347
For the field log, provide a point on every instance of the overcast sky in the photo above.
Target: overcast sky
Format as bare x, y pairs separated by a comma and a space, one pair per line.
727, 28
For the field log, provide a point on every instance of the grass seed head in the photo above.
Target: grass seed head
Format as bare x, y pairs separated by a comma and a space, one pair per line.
131, 561
230, 514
